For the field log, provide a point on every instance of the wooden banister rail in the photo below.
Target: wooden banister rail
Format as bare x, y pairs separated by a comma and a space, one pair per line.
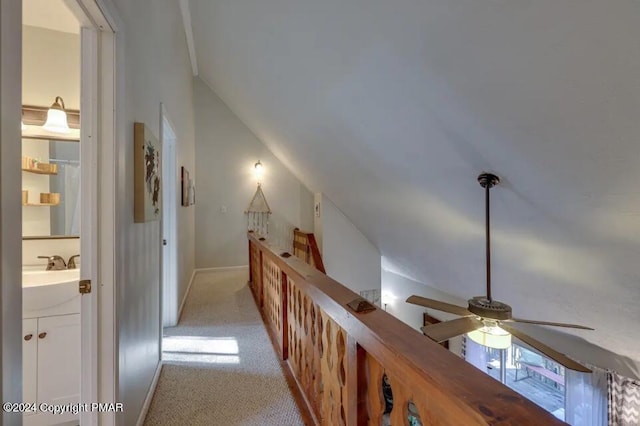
306, 248
340, 358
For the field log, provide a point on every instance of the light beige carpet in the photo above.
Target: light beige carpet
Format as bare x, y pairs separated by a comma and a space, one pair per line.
220, 367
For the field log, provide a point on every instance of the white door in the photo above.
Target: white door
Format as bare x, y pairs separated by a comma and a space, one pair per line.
169, 275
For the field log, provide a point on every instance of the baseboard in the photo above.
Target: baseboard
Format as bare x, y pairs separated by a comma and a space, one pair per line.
186, 293
222, 268
147, 400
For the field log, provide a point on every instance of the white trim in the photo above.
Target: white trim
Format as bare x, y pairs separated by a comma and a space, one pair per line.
221, 268
169, 311
150, 393
111, 110
186, 293
10, 208
188, 32
89, 320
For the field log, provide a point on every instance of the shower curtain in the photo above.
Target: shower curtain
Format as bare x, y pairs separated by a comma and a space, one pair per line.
72, 199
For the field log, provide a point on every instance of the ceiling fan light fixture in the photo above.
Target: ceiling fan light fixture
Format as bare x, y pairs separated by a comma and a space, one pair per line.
491, 337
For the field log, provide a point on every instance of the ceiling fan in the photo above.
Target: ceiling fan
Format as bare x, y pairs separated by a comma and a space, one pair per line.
488, 321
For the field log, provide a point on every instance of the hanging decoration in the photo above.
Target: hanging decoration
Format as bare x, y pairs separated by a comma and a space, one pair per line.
258, 213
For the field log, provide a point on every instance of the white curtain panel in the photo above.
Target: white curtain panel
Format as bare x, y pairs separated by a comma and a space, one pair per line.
475, 354
72, 199
624, 401
586, 398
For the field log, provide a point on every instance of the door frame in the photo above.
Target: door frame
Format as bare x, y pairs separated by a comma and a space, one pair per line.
10, 208
107, 43
169, 253
102, 125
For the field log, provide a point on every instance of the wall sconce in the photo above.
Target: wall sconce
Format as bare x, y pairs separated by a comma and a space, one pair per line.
34, 117
57, 118
387, 298
258, 170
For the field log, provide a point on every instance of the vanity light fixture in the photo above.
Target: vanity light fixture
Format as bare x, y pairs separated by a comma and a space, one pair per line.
57, 118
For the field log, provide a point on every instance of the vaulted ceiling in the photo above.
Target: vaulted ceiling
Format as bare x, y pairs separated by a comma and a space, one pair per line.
392, 109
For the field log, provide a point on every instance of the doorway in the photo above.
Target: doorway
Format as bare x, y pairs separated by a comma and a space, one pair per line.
86, 226
168, 264
55, 208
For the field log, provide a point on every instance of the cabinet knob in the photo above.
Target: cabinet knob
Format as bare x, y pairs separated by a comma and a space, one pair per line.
28, 337
42, 335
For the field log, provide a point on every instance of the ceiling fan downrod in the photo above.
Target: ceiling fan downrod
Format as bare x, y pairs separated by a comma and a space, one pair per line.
488, 181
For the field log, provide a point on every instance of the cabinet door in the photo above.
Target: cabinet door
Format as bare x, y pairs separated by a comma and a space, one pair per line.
29, 359
59, 359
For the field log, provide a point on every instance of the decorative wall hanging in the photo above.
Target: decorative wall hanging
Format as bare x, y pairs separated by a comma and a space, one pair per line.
147, 175
258, 213
186, 185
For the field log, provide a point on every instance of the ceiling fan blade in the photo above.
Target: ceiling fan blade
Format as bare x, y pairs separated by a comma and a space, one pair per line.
550, 352
448, 329
438, 305
555, 324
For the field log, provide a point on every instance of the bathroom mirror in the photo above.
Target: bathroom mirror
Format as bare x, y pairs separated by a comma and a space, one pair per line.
50, 188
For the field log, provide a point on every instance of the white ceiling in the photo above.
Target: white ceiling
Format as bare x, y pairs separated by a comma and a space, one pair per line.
392, 108
49, 14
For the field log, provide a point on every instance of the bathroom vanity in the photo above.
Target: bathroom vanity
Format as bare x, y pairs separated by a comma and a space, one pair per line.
51, 343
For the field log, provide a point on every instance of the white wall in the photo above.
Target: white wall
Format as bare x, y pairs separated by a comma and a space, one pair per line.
156, 70
226, 153
399, 288
50, 67
348, 256
10, 223
573, 346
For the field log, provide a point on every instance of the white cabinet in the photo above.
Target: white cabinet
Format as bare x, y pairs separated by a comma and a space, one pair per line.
29, 360
51, 365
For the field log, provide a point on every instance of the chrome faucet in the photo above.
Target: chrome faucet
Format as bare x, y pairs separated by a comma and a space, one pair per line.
55, 262
71, 264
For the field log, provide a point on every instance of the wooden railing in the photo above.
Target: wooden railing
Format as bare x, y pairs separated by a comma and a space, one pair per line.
306, 248
340, 358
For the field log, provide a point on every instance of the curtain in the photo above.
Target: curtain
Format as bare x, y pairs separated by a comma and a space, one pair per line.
624, 400
475, 354
586, 397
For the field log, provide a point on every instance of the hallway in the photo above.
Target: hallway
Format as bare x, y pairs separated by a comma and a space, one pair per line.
219, 364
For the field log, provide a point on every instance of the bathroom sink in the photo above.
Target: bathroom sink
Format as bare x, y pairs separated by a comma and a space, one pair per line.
50, 292
38, 278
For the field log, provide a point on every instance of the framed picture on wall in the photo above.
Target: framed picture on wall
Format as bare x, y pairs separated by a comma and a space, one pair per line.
147, 175
185, 187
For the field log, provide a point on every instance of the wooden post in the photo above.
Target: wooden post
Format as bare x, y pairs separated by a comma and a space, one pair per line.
362, 390
351, 382
251, 283
261, 287
284, 320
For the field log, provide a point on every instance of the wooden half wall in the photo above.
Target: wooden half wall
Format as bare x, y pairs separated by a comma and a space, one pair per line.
340, 358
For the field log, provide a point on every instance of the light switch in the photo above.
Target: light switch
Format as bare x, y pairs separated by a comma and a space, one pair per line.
223, 209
